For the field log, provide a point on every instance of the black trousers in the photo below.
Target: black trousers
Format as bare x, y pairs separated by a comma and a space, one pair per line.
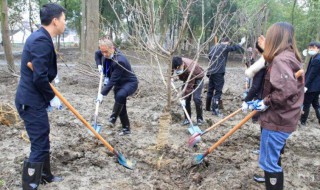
216, 82
196, 95
120, 96
37, 125
310, 98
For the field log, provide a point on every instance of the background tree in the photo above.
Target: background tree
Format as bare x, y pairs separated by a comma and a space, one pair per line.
5, 36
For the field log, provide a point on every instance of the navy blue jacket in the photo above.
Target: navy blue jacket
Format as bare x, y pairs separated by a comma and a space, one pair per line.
120, 73
34, 89
256, 86
313, 74
218, 56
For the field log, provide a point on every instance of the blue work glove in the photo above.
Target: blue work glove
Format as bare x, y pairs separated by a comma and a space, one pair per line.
54, 103
99, 98
258, 105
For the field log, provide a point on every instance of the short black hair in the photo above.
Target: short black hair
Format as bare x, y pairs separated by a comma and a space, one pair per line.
50, 11
225, 39
176, 62
317, 44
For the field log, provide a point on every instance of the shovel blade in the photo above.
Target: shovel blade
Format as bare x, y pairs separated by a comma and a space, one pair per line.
126, 163
194, 139
198, 159
194, 129
97, 128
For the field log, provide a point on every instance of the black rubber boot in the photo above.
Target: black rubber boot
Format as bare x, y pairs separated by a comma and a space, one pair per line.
125, 124
215, 107
304, 116
115, 113
199, 114
31, 175
274, 181
188, 108
47, 176
208, 104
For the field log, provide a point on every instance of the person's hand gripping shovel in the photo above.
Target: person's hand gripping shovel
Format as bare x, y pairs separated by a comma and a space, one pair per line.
95, 125
121, 159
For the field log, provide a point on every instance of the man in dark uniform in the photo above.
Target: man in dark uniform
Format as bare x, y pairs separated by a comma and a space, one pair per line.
123, 81
34, 94
312, 83
218, 56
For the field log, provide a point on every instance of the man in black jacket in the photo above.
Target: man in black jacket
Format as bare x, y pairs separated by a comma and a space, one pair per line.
34, 94
312, 83
218, 56
123, 81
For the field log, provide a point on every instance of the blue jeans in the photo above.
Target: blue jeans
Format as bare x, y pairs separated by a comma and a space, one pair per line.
271, 143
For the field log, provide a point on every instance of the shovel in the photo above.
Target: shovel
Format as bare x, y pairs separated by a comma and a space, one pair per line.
121, 159
199, 158
95, 126
196, 137
192, 128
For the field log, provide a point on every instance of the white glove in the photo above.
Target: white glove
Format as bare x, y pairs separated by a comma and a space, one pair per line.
55, 102
243, 40
244, 107
183, 102
305, 89
99, 98
100, 68
106, 80
258, 105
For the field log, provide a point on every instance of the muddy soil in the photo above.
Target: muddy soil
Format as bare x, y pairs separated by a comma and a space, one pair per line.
158, 142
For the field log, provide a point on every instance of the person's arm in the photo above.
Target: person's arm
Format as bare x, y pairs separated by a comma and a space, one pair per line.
256, 85
233, 48
41, 51
283, 82
314, 71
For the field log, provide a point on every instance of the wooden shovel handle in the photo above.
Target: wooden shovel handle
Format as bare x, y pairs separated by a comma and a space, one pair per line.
76, 113
221, 121
243, 121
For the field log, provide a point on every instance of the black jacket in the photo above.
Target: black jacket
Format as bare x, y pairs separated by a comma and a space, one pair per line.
34, 89
256, 86
120, 73
313, 74
218, 56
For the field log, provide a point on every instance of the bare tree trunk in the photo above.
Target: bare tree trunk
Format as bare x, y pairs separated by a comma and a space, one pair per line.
30, 16
91, 29
83, 29
5, 36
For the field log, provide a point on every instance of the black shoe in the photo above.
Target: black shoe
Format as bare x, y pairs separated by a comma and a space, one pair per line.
217, 112
125, 131
200, 121
303, 123
259, 178
186, 122
47, 176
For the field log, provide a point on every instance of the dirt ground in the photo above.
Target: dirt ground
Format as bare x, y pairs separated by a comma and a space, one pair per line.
85, 163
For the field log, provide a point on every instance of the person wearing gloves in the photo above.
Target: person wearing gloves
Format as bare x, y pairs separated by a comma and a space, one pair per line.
103, 66
256, 71
312, 83
185, 67
218, 56
282, 99
123, 81
34, 94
